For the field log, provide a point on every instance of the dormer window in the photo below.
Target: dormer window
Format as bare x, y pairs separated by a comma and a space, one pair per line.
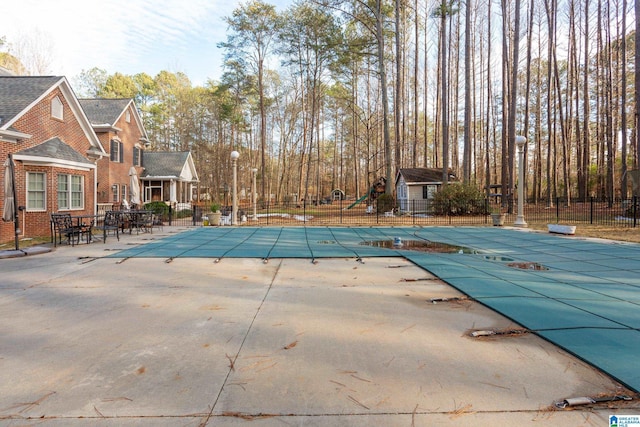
127, 116
57, 110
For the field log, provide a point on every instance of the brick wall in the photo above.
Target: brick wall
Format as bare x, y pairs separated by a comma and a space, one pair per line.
109, 172
39, 123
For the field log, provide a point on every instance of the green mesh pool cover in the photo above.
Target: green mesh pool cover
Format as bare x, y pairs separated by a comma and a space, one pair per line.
582, 295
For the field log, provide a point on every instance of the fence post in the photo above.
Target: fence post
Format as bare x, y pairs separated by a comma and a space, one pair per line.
170, 213
557, 209
413, 210
635, 210
486, 210
591, 210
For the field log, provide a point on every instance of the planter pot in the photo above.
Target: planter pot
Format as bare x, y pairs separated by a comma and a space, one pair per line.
214, 218
498, 219
562, 229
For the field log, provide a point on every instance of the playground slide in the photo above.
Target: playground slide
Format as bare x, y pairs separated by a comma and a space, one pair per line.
357, 202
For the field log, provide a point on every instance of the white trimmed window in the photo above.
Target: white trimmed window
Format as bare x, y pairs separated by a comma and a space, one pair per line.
127, 116
117, 151
36, 191
70, 192
115, 194
137, 156
57, 109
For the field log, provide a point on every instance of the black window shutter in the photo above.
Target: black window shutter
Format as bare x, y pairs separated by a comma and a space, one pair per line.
113, 150
121, 152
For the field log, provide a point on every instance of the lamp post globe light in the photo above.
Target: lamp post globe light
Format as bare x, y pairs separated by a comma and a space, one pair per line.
520, 222
254, 172
234, 201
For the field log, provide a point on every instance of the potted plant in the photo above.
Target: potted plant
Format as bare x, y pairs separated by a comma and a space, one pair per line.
215, 214
498, 217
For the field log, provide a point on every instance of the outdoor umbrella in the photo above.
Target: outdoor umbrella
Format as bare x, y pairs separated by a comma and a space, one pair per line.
134, 186
9, 213
9, 205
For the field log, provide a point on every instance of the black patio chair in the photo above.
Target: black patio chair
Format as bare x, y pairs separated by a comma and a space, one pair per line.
110, 223
62, 227
143, 220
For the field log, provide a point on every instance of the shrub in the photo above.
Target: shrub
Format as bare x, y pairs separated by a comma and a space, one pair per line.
385, 203
459, 199
158, 208
185, 213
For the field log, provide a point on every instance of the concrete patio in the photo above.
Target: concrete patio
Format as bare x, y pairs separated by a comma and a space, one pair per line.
93, 339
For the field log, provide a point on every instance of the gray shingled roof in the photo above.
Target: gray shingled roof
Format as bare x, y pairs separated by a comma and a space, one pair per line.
415, 175
163, 163
55, 149
18, 92
104, 111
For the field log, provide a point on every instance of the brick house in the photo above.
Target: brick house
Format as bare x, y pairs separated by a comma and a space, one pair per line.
120, 130
55, 151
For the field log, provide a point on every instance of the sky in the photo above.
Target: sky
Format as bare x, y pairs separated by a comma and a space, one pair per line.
126, 36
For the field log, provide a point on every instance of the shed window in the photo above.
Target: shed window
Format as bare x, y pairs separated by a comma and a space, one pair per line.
428, 191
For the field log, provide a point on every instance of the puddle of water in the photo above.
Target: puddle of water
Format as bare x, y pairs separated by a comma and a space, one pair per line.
498, 258
527, 266
420, 245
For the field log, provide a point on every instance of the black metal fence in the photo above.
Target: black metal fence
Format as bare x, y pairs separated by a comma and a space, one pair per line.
594, 211
617, 213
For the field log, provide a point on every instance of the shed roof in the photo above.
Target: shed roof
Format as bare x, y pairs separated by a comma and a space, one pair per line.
422, 175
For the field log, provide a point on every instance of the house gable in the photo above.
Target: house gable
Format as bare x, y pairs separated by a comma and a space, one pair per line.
168, 176
112, 115
25, 108
119, 127
169, 165
51, 139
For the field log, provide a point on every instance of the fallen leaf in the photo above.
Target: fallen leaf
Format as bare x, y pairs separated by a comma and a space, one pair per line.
291, 345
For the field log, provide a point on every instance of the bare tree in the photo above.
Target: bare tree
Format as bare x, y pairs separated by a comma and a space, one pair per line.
254, 26
34, 50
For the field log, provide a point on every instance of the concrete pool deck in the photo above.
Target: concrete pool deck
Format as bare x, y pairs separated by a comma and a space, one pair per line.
94, 335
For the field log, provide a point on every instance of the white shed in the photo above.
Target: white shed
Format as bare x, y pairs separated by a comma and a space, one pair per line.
416, 186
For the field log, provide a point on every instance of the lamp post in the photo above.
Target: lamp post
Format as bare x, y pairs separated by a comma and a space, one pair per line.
234, 200
520, 222
254, 172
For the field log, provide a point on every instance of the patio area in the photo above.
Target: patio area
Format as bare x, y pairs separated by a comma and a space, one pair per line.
308, 326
